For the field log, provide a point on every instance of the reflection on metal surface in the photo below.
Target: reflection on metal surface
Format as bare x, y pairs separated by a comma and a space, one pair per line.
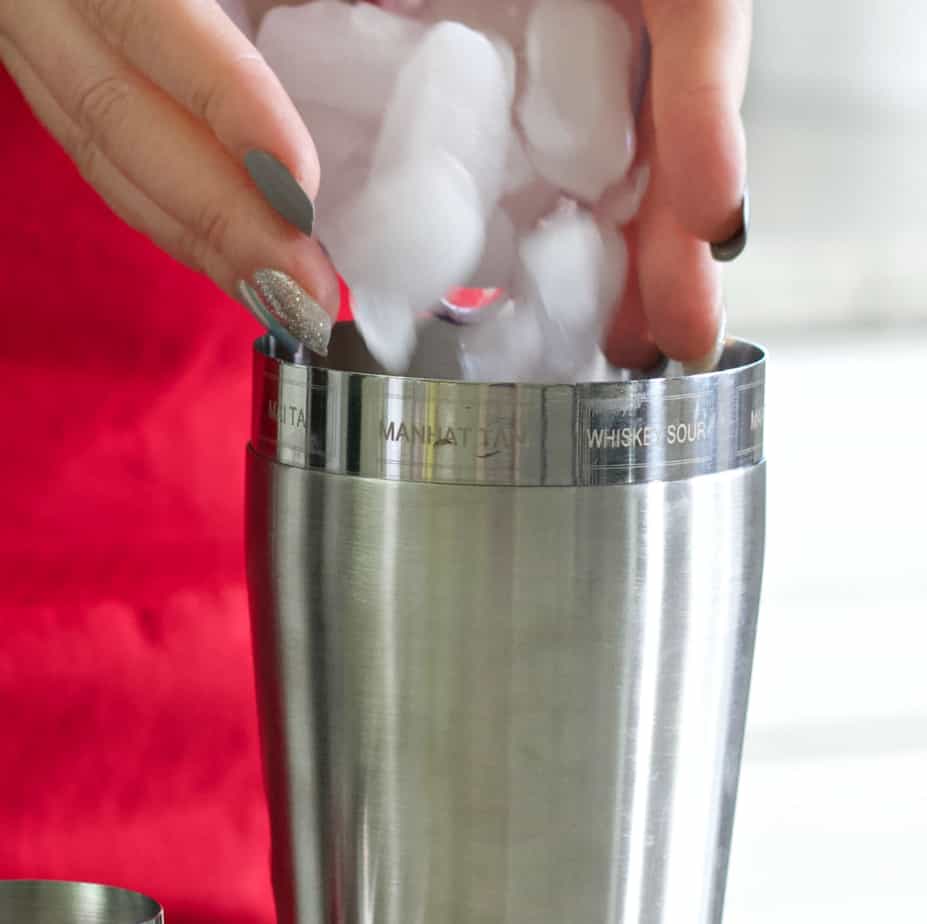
485, 703
422, 428
494, 690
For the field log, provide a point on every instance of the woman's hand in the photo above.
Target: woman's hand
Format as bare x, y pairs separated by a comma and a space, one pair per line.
691, 134
166, 108
171, 114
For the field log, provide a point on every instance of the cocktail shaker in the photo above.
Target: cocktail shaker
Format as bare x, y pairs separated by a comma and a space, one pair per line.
503, 637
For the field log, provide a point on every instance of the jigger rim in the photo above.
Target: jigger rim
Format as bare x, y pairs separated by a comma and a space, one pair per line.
60, 901
344, 416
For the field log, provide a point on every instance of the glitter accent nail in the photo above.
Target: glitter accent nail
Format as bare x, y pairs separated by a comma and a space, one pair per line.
295, 309
253, 303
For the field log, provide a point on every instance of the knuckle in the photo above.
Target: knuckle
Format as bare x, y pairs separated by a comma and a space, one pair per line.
213, 225
205, 236
206, 99
102, 105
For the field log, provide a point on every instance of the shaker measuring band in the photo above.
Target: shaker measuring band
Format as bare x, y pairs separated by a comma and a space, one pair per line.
342, 415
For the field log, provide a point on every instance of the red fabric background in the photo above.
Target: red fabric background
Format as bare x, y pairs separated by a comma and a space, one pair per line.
128, 744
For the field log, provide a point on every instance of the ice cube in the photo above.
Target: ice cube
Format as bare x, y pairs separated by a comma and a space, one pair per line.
338, 135
345, 147
416, 231
510, 67
347, 56
597, 370
452, 95
565, 269
519, 171
621, 202
508, 348
531, 203
506, 18
614, 273
338, 189
576, 107
497, 265
386, 321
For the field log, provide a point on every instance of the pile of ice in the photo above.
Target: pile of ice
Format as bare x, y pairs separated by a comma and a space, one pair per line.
471, 143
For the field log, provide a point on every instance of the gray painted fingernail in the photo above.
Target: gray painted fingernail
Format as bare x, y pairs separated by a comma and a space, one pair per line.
733, 247
281, 190
254, 304
295, 309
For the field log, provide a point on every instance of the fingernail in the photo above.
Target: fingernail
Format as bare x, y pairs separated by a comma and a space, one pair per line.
297, 311
254, 304
281, 190
709, 362
733, 247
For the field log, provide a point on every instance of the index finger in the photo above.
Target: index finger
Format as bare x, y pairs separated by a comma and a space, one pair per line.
196, 54
699, 69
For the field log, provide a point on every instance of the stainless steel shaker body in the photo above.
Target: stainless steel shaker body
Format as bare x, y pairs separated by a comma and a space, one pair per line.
503, 639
